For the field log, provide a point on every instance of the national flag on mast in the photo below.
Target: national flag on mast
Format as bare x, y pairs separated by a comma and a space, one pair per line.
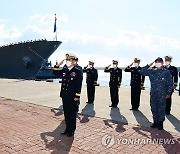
55, 24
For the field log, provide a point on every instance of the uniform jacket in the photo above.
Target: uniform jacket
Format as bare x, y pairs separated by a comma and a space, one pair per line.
115, 76
161, 80
71, 81
136, 78
92, 75
80, 68
174, 72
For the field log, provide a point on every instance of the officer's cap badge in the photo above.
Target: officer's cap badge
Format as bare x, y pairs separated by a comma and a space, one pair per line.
137, 60
115, 62
168, 57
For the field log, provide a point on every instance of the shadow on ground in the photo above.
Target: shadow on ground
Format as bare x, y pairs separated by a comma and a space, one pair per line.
174, 121
56, 142
141, 118
159, 137
87, 111
115, 117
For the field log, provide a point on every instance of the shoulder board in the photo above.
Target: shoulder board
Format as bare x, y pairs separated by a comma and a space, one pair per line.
78, 68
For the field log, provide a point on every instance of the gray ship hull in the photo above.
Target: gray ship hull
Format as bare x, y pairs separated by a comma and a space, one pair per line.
24, 60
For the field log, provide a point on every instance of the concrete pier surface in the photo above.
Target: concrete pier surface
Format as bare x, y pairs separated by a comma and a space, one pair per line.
47, 94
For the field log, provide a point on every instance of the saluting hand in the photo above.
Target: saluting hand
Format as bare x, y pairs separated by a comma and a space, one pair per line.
108, 66
131, 64
151, 63
61, 62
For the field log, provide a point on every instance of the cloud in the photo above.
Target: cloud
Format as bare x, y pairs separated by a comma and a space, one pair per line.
39, 32
125, 45
149, 27
8, 35
49, 18
99, 59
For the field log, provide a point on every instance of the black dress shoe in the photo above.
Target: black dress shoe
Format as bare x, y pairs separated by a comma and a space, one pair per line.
155, 124
113, 106
70, 134
89, 102
160, 125
64, 133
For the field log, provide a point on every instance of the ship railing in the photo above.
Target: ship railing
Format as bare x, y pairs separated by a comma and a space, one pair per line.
23, 42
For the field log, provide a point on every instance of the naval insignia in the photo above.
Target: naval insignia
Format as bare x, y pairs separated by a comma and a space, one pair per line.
162, 78
73, 74
71, 78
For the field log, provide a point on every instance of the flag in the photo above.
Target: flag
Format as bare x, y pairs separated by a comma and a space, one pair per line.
55, 25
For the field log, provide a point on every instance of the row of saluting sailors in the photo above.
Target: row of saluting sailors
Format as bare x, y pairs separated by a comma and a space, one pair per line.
165, 78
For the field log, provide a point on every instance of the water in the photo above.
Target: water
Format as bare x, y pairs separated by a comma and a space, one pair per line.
103, 79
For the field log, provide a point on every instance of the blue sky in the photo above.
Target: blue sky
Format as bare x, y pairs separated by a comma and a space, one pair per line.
98, 30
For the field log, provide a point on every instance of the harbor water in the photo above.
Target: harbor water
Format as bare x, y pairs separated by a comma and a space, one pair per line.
103, 79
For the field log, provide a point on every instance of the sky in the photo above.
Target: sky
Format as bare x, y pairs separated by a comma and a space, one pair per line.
97, 30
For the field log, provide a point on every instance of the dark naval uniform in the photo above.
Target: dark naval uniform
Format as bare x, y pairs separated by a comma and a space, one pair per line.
174, 72
137, 80
78, 102
114, 84
91, 80
70, 88
161, 85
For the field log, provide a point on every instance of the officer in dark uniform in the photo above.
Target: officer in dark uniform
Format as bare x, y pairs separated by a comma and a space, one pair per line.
75, 62
137, 83
115, 82
91, 80
174, 72
70, 92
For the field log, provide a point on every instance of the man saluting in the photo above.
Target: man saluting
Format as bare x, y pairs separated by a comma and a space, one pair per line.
161, 89
91, 80
115, 82
137, 83
70, 91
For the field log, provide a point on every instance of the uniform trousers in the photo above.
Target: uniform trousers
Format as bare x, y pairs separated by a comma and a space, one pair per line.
69, 107
114, 92
135, 96
90, 92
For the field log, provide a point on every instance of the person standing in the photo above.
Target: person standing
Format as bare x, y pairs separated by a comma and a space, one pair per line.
91, 80
115, 82
70, 91
137, 83
161, 89
174, 72
75, 62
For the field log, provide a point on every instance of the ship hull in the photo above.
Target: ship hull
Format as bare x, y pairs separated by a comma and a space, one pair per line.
24, 60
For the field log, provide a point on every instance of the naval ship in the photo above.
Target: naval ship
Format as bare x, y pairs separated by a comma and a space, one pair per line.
27, 60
